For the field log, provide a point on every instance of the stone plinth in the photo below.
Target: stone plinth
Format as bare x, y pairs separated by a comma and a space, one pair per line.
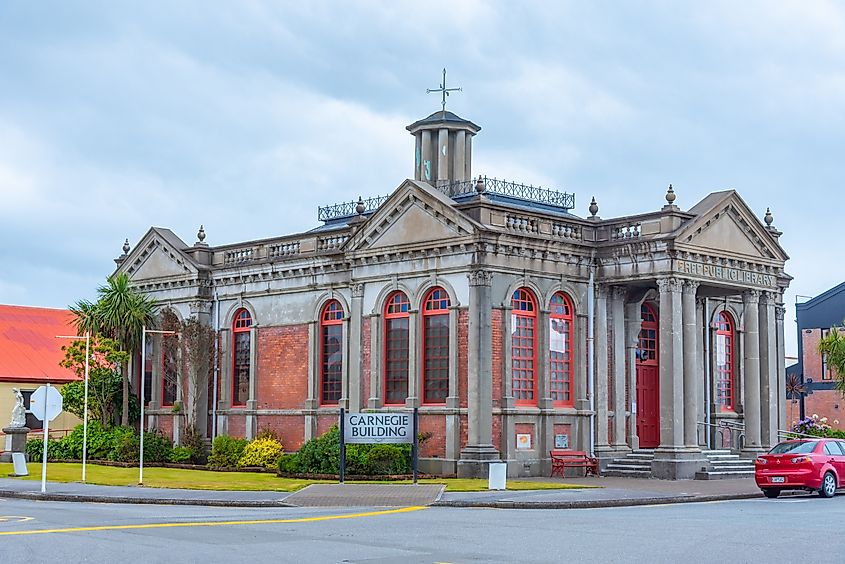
677, 463
475, 460
15, 442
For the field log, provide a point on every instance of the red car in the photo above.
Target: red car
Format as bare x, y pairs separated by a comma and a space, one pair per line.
802, 464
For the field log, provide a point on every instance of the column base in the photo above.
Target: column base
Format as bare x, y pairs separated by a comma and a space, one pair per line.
474, 460
751, 452
679, 463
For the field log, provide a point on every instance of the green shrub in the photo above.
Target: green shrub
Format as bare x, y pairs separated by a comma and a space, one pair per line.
226, 451
264, 452
180, 455
195, 443
321, 455
289, 463
157, 447
124, 445
387, 459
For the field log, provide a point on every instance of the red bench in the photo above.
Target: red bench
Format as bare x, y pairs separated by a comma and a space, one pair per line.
563, 459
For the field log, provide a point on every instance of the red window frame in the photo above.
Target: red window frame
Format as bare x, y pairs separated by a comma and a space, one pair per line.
647, 350
725, 374
396, 349
524, 347
142, 372
435, 346
331, 373
241, 327
561, 368
164, 398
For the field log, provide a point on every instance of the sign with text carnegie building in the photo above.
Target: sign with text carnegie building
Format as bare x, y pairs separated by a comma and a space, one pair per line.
725, 273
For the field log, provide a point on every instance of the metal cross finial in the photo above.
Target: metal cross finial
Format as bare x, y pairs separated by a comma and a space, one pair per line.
443, 89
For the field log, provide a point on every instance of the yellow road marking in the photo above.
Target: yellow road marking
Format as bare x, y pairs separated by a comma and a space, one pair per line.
212, 523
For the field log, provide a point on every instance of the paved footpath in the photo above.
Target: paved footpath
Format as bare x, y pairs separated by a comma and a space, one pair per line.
612, 492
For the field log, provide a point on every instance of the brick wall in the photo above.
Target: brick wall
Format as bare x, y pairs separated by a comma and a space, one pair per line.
436, 445
824, 403
165, 425
289, 428
496, 320
237, 426
282, 371
463, 351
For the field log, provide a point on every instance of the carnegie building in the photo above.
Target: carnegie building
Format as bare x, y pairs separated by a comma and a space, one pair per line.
515, 326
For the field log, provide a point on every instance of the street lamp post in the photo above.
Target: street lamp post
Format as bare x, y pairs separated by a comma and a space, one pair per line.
85, 406
144, 332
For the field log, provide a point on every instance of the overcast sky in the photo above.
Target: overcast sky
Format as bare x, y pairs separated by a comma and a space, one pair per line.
245, 116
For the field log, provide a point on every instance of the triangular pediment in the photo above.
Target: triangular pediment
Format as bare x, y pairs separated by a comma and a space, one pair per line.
157, 255
415, 214
726, 225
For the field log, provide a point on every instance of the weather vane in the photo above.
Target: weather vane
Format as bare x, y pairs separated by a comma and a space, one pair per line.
443, 89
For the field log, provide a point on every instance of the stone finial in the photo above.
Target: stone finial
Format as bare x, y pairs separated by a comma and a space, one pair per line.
670, 196
594, 207
201, 234
768, 218
126, 247
359, 207
480, 187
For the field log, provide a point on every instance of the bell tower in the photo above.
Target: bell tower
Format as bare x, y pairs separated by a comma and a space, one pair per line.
443, 148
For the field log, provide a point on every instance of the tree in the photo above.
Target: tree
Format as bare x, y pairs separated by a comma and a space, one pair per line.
197, 340
119, 313
832, 348
794, 389
104, 382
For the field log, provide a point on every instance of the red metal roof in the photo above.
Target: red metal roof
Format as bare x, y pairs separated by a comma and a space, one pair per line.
29, 349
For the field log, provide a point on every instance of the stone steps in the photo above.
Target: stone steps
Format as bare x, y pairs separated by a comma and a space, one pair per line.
636, 464
723, 465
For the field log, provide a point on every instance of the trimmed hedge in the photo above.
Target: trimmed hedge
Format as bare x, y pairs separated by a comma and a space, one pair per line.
321, 455
119, 444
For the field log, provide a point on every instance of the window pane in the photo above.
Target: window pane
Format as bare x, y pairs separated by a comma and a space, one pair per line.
396, 361
332, 363
436, 359
240, 377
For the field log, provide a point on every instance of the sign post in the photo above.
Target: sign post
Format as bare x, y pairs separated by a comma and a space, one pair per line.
45, 403
382, 427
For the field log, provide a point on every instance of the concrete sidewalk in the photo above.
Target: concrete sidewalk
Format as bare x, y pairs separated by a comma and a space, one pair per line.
612, 492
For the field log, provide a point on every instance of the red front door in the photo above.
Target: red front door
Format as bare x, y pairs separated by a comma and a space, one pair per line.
648, 381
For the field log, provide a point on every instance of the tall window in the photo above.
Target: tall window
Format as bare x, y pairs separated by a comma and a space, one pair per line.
560, 349
725, 374
436, 346
524, 347
146, 371
331, 353
169, 344
240, 357
647, 349
396, 348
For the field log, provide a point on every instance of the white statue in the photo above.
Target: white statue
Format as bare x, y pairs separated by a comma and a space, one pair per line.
19, 411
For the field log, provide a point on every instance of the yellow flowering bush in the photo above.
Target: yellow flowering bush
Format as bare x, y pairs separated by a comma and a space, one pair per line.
264, 451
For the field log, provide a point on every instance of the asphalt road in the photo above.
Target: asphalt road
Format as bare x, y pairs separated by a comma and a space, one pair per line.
800, 529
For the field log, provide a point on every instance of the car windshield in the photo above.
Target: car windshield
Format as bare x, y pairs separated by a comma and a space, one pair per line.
794, 447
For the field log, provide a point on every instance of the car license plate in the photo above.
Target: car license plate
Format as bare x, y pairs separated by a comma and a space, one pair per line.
777, 479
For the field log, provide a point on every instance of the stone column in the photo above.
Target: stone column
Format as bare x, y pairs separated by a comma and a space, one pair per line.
768, 372
751, 360
468, 158
443, 155
459, 166
693, 376
252, 402
312, 401
781, 365
355, 357
376, 399
617, 309
479, 449
427, 166
600, 346
453, 421
633, 322
415, 344
672, 459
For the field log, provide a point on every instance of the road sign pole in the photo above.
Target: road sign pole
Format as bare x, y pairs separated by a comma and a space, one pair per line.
342, 468
143, 379
85, 409
416, 445
44, 455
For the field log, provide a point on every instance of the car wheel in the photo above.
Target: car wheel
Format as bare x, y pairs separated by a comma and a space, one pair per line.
828, 485
771, 492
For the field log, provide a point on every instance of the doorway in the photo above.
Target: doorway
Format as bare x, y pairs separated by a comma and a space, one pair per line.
648, 380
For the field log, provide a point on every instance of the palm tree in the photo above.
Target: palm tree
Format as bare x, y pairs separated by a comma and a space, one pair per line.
119, 313
794, 389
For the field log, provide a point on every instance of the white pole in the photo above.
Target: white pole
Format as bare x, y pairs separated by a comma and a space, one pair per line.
143, 378
44, 455
85, 409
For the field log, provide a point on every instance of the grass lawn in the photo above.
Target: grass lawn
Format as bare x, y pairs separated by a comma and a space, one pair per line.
241, 481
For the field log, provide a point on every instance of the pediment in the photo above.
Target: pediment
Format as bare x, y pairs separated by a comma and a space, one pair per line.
157, 257
730, 228
415, 214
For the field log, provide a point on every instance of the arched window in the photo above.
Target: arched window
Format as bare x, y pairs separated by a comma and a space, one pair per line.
396, 348
240, 357
169, 372
561, 353
435, 346
524, 347
647, 349
331, 353
725, 374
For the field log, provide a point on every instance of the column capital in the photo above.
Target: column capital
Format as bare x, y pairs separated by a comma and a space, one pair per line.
780, 311
357, 290
751, 296
200, 306
480, 278
690, 286
619, 292
669, 284
767, 298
